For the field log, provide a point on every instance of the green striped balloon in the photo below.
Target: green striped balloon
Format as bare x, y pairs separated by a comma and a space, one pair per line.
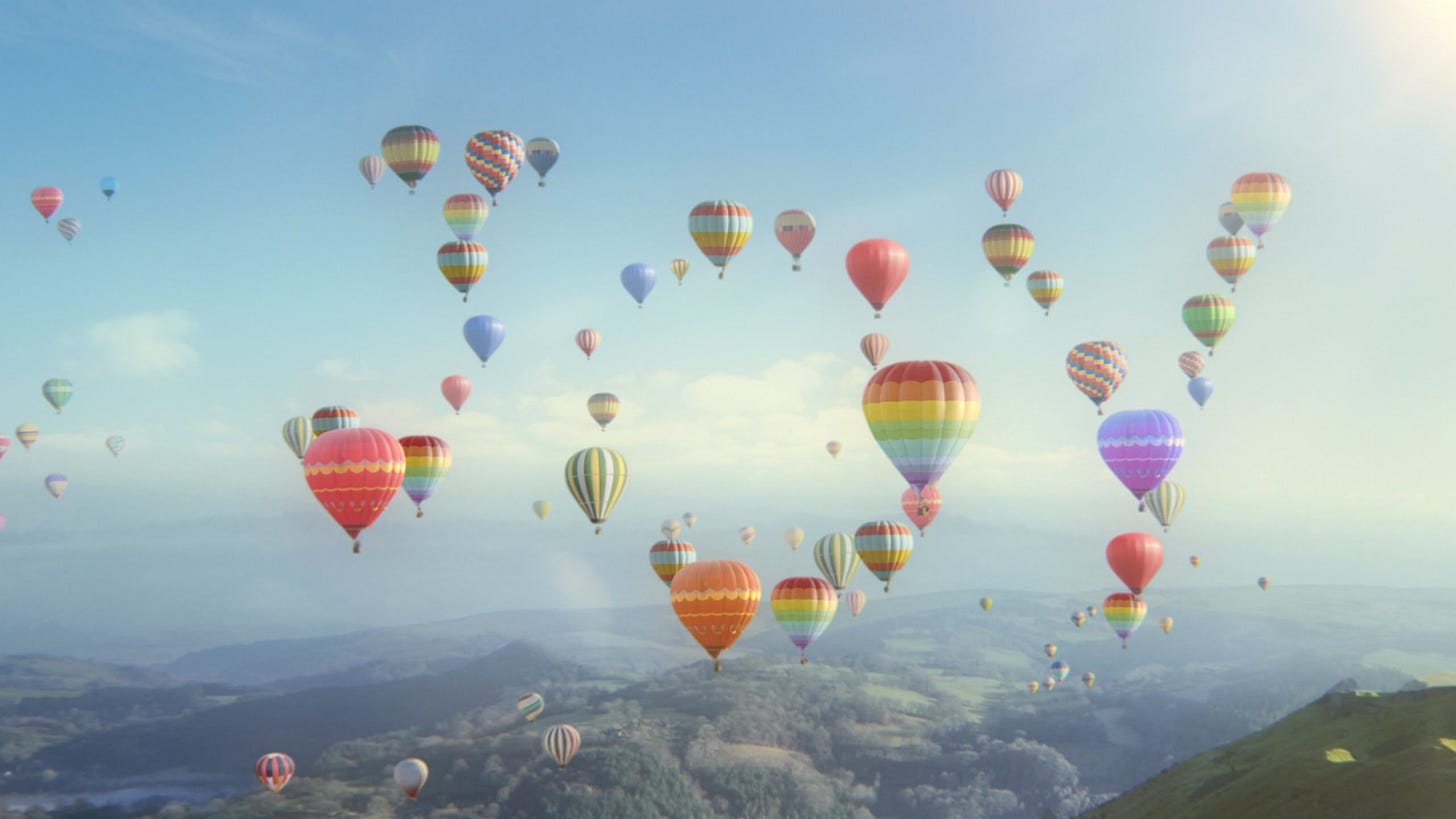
57, 392
1209, 317
1165, 502
837, 559
596, 478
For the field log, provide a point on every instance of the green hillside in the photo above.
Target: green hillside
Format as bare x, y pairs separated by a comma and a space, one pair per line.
1356, 754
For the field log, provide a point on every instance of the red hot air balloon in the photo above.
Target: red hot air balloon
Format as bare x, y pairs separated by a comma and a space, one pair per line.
46, 201
877, 267
1135, 557
354, 473
921, 507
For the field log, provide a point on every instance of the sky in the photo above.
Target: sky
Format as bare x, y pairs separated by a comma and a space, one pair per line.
245, 273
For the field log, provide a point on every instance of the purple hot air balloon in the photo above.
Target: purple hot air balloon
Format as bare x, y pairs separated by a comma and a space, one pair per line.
1140, 447
1201, 388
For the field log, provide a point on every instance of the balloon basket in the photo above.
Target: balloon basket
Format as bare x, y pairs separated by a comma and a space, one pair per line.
717, 666
803, 661
357, 548
419, 513
542, 184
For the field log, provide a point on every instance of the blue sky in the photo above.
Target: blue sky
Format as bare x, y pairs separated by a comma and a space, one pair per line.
245, 273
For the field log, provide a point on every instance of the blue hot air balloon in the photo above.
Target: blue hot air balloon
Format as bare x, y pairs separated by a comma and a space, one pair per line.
484, 334
108, 186
542, 153
639, 279
1201, 389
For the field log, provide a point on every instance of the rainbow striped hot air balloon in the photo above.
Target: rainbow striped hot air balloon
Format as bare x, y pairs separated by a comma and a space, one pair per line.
668, 557
603, 407
885, 548
530, 705
411, 151
274, 770
494, 158
1231, 257
561, 742
795, 230
804, 606
1008, 248
1209, 317
1003, 186
1045, 287
596, 477
354, 473
1097, 368
465, 214
715, 600
922, 413
57, 392
27, 434
463, 265
327, 419
837, 560
1261, 199
1191, 363
1124, 613
720, 228
426, 463
1140, 447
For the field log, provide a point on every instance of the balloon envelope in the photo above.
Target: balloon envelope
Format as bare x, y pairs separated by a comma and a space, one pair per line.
639, 279
720, 228
69, 228
884, 547
1045, 287
371, 167
1003, 186
1201, 389
1135, 558
109, 186
56, 484
1008, 248
1209, 317
668, 557
1191, 363
877, 267
465, 214
715, 600
856, 600
354, 473
1231, 257
494, 157
57, 392
456, 389
426, 463
531, 705
922, 506
274, 770
541, 508
794, 536
1165, 501
27, 435
463, 264
542, 153
411, 774
679, 269
805, 607
874, 346
596, 477
1229, 217
1124, 613
1097, 368
795, 230
1140, 447
330, 418
46, 201
410, 151
561, 742
603, 407
484, 334
587, 341
837, 559
1261, 199
922, 413
116, 444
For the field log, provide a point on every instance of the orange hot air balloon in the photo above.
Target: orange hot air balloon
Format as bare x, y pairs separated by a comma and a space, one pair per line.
716, 600
1194, 560
354, 473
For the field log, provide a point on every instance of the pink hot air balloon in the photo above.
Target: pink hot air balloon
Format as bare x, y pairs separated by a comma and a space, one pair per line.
877, 267
1140, 447
922, 507
1003, 186
47, 201
456, 389
795, 230
588, 340
4, 445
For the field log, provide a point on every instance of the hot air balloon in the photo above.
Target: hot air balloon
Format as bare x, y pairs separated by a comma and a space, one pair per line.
411, 151
116, 444
836, 558
56, 484
484, 334
679, 269
587, 341
27, 434
1088, 679
1231, 257
1264, 583
1091, 611
1008, 248
1209, 317
1194, 560
795, 229
1191, 363
372, 168
1097, 368
834, 448
1033, 686
354, 473
109, 187
1165, 501
689, 518
411, 774
1003, 186
715, 600
463, 265
456, 389
57, 392
1229, 217
69, 228
884, 546
804, 606
794, 536
1140, 447
542, 153
671, 528
426, 463
1166, 624
720, 228
1060, 670
856, 600
1261, 199
1078, 618
46, 201
1201, 389
330, 418
4, 445
494, 157
986, 603
1050, 649
541, 508
639, 279
603, 407
274, 770
874, 346
466, 213
531, 705
1135, 558
747, 534
1045, 287
561, 742
1125, 612
922, 413
877, 267
596, 477
921, 507
668, 557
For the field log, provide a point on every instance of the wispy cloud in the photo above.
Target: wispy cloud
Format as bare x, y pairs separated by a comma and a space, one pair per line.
155, 343
341, 369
